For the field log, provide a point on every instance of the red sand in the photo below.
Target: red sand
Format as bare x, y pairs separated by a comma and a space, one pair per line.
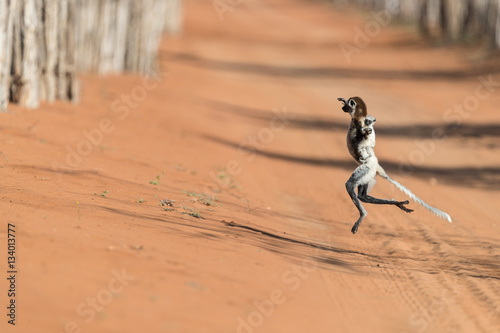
273, 252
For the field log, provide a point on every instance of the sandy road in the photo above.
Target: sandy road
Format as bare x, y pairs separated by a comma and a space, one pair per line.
248, 114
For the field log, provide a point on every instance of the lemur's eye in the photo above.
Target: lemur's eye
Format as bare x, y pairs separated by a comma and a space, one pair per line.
352, 103
368, 122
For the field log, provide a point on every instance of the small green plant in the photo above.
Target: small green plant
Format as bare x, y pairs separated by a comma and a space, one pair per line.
206, 199
156, 180
191, 212
209, 200
195, 214
140, 201
103, 194
226, 179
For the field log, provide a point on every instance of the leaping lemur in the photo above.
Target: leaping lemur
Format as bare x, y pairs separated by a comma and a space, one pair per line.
360, 143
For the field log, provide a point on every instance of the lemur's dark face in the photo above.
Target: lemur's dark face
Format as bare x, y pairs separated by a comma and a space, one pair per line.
355, 107
349, 105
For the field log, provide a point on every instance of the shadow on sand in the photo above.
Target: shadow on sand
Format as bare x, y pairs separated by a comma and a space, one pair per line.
327, 72
417, 131
481, 177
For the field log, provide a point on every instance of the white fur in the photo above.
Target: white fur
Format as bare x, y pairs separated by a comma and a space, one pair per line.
412, 196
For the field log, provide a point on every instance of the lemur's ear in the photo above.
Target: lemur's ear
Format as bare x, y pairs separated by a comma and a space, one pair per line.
352, 103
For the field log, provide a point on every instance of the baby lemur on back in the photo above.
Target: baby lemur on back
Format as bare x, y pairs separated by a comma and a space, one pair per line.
360, 143
363, 139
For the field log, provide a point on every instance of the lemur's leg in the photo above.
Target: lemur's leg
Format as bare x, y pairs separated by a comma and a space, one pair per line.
354, 181
364, 197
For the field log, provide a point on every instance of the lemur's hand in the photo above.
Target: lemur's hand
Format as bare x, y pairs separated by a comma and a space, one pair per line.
364, 155
363, 159
366, 131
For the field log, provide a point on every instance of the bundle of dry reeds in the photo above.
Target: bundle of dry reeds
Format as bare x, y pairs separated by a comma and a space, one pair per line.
44, 44
450, 20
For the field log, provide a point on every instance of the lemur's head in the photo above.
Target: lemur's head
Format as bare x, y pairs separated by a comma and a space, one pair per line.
354, 106
370, 121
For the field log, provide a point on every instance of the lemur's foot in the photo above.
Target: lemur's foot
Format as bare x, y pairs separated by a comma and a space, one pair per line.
402, 207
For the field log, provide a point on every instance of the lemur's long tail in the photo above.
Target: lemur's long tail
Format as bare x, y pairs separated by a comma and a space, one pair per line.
433, 210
